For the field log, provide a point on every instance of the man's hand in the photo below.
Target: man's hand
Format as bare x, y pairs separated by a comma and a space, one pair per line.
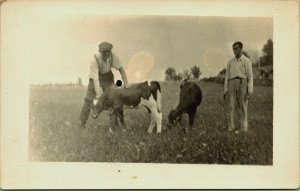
225, 94
249, 95
96, 99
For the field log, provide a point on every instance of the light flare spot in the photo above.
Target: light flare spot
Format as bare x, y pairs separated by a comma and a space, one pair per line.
140, 64
214, 60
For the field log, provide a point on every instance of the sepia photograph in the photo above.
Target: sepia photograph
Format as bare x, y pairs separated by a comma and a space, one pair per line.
191, 90
154, 95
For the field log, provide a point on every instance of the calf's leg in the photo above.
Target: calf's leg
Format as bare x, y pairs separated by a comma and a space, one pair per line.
113, 119
185, 121
157, 116
152, 124
192, 114
121, 119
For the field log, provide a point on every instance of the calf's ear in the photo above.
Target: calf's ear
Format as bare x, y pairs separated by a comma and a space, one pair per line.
169, 125
169, 115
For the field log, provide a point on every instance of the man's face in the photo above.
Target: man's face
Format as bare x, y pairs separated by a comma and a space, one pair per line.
237, 50
105, 54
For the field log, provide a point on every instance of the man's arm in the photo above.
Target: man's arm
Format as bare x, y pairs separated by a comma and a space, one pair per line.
97, 88
118, 66
123, 75
250, 79
94, 75
226, 81
226, 78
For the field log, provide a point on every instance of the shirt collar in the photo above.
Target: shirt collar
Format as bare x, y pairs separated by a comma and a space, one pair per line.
242, 58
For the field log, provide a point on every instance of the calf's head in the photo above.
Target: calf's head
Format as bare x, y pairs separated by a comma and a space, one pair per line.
173, 118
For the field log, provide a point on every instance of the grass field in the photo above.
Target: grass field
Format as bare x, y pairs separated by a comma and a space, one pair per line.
54, 136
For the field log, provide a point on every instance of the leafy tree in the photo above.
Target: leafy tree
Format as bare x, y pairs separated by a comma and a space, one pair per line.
187, 74
195, 70
170, 73
267, 58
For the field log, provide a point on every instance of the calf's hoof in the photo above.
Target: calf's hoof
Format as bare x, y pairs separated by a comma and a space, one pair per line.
186, 130
129, 128
94, 116
110, 131
126, 127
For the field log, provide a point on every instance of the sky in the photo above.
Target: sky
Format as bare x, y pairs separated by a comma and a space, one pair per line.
60, 48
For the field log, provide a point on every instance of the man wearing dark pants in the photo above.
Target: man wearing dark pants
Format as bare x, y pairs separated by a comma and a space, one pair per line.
100, 75
238, 85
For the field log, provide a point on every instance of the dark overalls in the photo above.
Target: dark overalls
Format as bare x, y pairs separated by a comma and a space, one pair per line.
105, 80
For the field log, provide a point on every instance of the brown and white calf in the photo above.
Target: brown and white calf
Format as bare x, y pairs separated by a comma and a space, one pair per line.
147, 94
190, 99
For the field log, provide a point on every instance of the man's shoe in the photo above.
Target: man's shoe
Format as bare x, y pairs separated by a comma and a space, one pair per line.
244, 126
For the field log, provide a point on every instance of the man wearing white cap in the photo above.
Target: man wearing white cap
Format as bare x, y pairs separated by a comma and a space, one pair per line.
101, 75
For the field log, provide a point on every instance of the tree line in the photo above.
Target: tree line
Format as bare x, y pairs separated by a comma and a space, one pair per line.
262, 68
192, 73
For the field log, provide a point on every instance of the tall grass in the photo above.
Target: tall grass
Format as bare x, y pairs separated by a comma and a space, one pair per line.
54, 135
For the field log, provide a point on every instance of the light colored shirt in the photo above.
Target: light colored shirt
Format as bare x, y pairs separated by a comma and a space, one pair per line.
105, 66
242, 68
